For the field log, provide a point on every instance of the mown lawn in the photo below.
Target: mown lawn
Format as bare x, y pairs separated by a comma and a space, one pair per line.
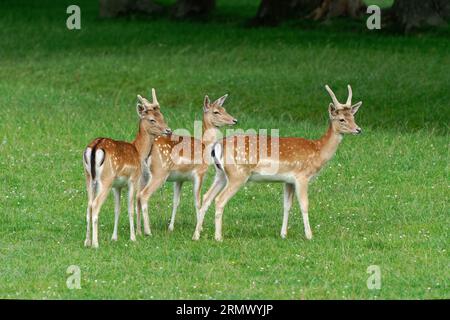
383, 199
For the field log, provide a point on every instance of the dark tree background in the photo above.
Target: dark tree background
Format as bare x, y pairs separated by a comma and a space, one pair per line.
193, 8
182, 8
409, 14
406, 14
114, 8
272, 12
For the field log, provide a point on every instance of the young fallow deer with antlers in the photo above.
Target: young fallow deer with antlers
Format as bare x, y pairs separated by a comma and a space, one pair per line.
296, 162
169, 162
116, 164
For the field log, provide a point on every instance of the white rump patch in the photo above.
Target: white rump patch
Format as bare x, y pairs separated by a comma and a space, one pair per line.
99, 157
218, 154
87, 159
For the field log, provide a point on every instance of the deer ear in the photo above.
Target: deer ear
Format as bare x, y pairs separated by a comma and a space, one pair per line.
332, 110
140, 106
219, 102
206, 104
356, 106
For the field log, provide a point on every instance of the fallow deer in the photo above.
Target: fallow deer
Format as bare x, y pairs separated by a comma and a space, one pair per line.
167, 164
296, 162
116, 164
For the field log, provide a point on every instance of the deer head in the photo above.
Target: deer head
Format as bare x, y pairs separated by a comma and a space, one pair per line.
342, 114
215, 114
151, 116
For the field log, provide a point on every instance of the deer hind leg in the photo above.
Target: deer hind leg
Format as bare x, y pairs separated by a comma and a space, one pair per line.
103, 190
131, 193
116, 192
219, 183
90, 194
143, 197
287, 205
222, 199
301, 188
220, 180
176, 201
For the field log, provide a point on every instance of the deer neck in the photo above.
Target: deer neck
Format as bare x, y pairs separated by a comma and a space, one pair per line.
210, 133
329, 143
143, 142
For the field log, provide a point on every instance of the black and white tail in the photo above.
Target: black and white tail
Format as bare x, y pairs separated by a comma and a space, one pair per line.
216, 154
93, 160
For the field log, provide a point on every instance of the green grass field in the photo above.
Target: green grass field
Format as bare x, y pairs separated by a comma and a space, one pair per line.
383, 199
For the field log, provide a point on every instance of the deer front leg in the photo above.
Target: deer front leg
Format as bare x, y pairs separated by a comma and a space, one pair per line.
197, 188
116, 192
176, 201
153, 185
131, 192
301, 188
141, 185
287, 205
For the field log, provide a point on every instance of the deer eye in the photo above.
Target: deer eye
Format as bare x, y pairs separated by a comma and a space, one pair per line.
216, 112
152, 120
342, 120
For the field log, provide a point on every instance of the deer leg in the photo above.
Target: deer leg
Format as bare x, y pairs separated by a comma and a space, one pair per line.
141, 185
138, 215
176, 201
116, 192
90, 194
301, 188
131, 192
197, 188
103, 190
225, 195
219, 183
287, 204
145, 194
88, 240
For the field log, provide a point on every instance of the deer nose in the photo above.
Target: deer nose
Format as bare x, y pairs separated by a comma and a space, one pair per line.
235, 121
168, 131
358, 130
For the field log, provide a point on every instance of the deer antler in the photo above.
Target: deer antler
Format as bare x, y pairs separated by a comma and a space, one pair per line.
349, 99
155, 101
333, 96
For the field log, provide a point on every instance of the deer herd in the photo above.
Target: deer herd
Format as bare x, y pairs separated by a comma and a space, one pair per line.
157, 156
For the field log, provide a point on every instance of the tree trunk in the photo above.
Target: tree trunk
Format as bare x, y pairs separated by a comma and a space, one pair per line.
114, 8
409, 14
272, 12
184, 9
339, 8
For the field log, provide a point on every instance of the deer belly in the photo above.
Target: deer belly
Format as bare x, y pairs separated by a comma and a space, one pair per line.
179, 176
120, 182
258, 177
